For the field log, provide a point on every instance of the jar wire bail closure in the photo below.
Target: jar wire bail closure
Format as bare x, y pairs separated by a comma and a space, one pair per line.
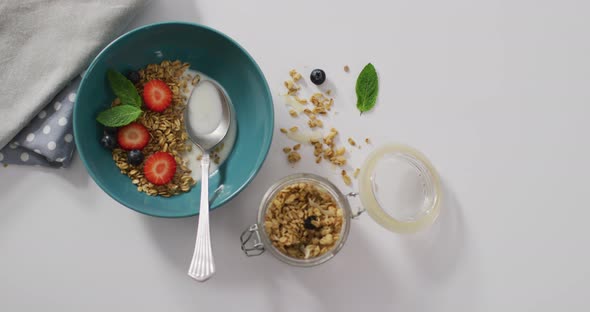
256, 248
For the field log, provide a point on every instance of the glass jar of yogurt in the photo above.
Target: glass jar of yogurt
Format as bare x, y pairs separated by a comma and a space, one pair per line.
304, 219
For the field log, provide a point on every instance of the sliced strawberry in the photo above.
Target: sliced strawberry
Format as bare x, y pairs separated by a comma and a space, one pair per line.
159, 168
133, 136
157, 95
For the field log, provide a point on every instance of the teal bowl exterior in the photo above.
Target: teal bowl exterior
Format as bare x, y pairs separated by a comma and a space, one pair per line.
208, 51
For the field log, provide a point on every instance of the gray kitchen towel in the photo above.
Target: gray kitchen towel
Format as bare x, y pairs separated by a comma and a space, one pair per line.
44, 46
48, 139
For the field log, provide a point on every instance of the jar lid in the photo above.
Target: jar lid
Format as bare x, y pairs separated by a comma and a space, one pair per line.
400, 189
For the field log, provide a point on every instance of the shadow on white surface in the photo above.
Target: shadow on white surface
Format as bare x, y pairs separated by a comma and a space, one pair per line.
328, 85
175, 239
436, 252
14, 175
76, 174
358, 278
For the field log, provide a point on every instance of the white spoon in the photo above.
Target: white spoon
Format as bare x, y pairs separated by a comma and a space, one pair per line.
207, 118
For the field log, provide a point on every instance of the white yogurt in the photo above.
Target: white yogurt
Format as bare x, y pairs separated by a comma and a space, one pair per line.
204, 117
206, 108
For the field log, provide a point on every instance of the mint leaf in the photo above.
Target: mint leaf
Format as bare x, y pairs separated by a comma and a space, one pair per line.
118, 116
367, 88
123, 88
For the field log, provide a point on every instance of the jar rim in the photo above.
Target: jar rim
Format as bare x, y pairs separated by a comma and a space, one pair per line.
426, 170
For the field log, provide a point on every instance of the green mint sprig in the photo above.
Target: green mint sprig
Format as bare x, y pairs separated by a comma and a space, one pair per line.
367, 88
130, 108
123, 88
119, 116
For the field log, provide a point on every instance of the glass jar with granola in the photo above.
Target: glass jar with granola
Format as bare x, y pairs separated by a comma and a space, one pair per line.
303, 220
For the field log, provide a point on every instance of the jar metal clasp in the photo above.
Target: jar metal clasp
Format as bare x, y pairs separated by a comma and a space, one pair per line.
255, 247
360, 209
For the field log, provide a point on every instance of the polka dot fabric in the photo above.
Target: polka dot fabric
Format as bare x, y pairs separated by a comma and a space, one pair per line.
48, 139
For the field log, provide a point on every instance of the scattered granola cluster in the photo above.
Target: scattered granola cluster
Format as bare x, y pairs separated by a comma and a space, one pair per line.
295, 75
292, 155
324, 146
303, 221
328, 150
321, 106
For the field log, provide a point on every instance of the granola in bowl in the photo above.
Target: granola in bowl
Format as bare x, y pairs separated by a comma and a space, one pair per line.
153, 150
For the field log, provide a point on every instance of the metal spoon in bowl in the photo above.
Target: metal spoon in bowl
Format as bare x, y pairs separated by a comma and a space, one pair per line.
207, 118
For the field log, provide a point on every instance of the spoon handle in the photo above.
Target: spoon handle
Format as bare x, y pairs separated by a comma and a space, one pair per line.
202, 266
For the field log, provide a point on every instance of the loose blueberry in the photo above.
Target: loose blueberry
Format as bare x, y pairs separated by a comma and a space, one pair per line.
318, 76
108, 141
135, 157
133, 76
307, 223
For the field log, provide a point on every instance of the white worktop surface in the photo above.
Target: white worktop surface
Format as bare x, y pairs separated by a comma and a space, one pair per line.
495, 93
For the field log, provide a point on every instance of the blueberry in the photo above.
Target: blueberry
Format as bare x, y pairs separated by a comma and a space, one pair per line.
108, 141
133, 76
307, 223
135, 157
318, 76
110, 131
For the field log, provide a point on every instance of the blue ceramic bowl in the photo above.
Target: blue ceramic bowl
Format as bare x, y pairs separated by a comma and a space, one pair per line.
208, 51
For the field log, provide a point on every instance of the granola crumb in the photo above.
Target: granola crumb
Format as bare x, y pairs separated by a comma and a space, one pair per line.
293, 157
313, 123
346, 178
346, 68
293, 113
195, 80
300, 100
295, 75
351, 142
368, 141
283, 130
338, 160
294, 129
292, 88
296, 147
286, 150
329, 92
356, 172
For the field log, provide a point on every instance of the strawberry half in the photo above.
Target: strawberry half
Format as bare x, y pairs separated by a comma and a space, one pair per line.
159, 168
133, 136
157, 95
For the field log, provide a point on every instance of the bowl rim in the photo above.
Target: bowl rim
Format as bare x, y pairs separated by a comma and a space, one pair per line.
266, 143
